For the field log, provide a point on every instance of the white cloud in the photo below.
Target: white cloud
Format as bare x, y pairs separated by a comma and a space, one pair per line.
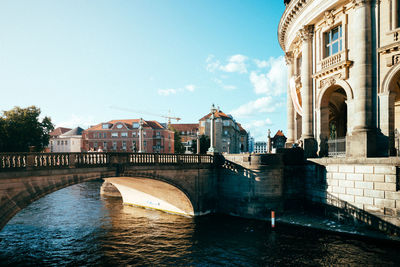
263, 104
172, 91
212, 65
75, 121
258, 128
166, 92
190, 87
261, 63
236, 63
274, 81
224, 86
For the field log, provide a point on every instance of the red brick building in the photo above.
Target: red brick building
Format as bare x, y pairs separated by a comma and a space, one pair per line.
123, 136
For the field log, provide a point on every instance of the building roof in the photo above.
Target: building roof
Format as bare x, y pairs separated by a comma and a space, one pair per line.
241, 129
75, 131
128, 123
59, 131
217, 114
186, 127
278, 134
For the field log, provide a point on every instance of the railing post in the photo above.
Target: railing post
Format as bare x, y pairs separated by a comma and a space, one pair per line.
30, 161
72, 160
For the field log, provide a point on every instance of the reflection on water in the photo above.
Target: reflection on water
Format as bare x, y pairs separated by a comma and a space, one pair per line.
76, 226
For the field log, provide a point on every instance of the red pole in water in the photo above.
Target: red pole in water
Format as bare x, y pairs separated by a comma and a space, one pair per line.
273, 219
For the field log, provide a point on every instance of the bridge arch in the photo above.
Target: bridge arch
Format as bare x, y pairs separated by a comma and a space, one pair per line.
153, 191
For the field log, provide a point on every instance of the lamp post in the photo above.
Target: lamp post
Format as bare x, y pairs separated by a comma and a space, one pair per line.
141, 136
212, 149
198, 142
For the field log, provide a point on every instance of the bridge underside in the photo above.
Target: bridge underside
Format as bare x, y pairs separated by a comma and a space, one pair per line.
152, 194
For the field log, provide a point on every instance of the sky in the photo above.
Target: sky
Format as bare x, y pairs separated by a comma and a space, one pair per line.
83, 62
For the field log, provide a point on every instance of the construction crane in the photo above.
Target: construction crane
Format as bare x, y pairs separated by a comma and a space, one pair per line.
148, 113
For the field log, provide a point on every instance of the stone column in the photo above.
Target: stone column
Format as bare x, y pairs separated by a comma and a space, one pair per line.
141, 136
212, 148
290, 109
309, 143
361, 143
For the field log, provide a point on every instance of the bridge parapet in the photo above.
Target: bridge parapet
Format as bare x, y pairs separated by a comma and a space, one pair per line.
29, 161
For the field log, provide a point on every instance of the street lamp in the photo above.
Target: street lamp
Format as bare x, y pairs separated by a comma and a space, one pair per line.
212, 149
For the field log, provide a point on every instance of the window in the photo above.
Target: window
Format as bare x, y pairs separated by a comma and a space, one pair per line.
124, 145
119, 126
225, 132
144, 143
104, 135
226, 123
105, 126
158, 133
115, 145
105, 145
134, 134
135, 125
114, 134
144, 133
62, 143
95, 144
66, 143
124, 134
333, 41
58, 142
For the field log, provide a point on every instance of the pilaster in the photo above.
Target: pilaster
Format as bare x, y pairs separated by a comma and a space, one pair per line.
290, 109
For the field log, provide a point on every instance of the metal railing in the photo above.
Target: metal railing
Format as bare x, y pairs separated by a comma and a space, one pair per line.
337, 147
15, 161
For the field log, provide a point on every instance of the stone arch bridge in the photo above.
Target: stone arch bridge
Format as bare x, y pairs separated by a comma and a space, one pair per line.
185, 183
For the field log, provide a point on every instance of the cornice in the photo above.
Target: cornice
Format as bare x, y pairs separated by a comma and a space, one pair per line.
292, 11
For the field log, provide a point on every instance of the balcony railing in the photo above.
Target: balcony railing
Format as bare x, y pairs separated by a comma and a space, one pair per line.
332, 60
337, 147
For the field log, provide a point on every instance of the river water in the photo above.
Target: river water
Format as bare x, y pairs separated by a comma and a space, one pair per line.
76, 226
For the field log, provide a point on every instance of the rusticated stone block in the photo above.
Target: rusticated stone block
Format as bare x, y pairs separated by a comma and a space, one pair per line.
392, 195
364, 169
338, 175
384, 203
385, 169
332, 168
364, 185
364, 200
374, 193
347, 198
346, 168
355, 191
345, 183
374, 177
354, 176
338, 189
390, 178
385, 186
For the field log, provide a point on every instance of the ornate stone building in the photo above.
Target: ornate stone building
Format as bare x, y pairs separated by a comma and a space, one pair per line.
343, 75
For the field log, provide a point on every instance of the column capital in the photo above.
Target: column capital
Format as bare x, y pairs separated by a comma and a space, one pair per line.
306, 33
359, 3
289, 58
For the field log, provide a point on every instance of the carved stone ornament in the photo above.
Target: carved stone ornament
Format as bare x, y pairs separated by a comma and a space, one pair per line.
306, 32
329, 18
357, 3
396, 59
329, 81
289, 58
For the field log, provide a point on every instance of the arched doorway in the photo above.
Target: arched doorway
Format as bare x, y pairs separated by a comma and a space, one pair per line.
333, 121
391, 126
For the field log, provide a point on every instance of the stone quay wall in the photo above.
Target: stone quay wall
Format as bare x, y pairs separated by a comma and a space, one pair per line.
371, 185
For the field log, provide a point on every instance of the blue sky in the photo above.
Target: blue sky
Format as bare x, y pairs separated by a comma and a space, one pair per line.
76, 59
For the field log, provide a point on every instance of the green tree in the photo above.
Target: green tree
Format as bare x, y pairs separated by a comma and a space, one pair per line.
179, 148
21, 128
204, 144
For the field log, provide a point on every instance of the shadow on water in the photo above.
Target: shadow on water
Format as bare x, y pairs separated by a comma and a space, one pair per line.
76, 226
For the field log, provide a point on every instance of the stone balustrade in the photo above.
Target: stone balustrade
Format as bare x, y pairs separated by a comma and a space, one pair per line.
12, 161
332, 60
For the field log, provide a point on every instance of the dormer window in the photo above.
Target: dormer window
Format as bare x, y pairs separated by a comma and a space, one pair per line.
119, 126
105, 126
135, 125
333, 41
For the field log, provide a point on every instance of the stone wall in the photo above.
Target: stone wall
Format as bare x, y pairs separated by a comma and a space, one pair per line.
371, 185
